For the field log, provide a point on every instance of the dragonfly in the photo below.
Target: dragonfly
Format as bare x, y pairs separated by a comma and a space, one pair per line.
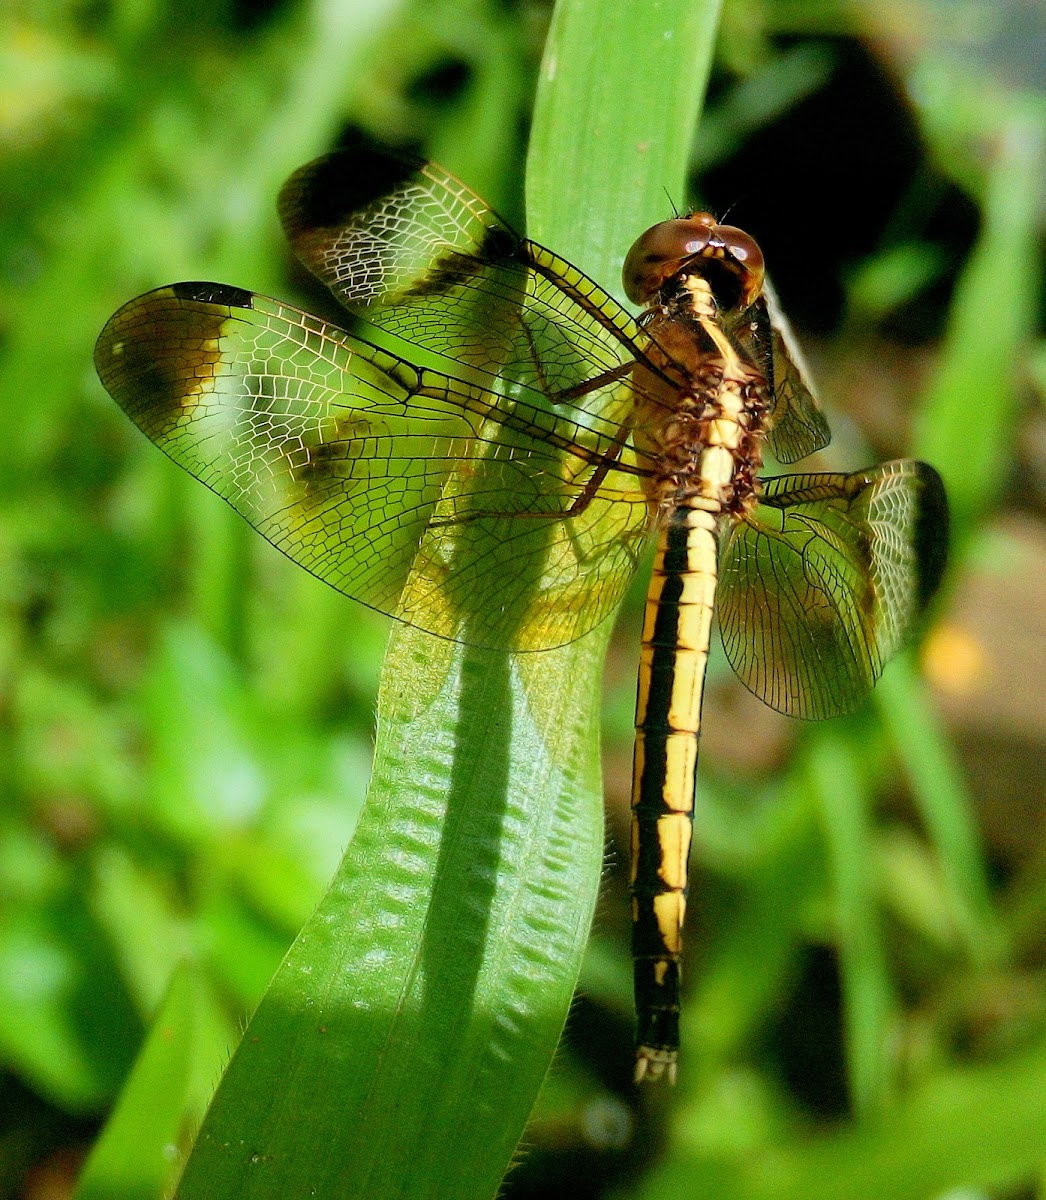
488, 443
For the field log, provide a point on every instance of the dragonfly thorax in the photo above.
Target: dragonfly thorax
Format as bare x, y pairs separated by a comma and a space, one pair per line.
706, 450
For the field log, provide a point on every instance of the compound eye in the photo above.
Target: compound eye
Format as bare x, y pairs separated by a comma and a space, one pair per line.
659, 253
743, 253
727, 256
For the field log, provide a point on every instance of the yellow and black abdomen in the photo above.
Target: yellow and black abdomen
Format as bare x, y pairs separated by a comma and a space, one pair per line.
676, 632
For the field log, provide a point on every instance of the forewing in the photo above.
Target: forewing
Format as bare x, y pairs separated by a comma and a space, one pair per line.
424, 496
428, 262
824, 581
797, 426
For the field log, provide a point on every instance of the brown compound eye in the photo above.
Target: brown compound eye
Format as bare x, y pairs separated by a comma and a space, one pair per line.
665, 249
659, 253
742, 252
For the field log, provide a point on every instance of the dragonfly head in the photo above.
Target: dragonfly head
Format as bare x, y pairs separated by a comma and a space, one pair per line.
726, 256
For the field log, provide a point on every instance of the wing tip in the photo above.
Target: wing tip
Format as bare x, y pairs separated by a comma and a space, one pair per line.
325, 192
212, 293
931, 534
158, 355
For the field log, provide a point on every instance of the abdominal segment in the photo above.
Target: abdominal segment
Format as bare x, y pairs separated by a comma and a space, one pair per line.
668, 715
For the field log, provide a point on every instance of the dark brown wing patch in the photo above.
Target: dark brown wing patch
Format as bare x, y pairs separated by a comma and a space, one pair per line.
163, 358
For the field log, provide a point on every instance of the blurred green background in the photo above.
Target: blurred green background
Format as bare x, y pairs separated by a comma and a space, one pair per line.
185, 717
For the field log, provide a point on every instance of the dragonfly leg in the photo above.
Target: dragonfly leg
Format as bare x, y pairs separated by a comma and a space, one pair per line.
604, 379
604, 465
602, 469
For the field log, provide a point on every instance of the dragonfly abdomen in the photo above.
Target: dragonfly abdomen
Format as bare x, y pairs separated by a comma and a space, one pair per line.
676, 633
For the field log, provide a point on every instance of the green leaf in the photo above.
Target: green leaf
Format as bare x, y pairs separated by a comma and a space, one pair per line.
946, 807
966, 425
609, 149
402, 1043
135, 1157
66, 1022
978, 1127
869, 1006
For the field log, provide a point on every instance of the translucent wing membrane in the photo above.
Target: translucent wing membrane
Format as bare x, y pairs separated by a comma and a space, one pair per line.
473, 516
428, 262
824, 581
488, 490
797, 425
495, 483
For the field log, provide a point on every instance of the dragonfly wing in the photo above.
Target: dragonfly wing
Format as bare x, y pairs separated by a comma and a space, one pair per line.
797, 426
408, 247
426, 497
823, 582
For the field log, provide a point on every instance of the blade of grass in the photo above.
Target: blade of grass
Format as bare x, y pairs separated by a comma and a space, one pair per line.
868, 1003
430, 981
401, 1045
750, 960
945, 806
966, 422
622, 86
962, 1131
133, 1160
